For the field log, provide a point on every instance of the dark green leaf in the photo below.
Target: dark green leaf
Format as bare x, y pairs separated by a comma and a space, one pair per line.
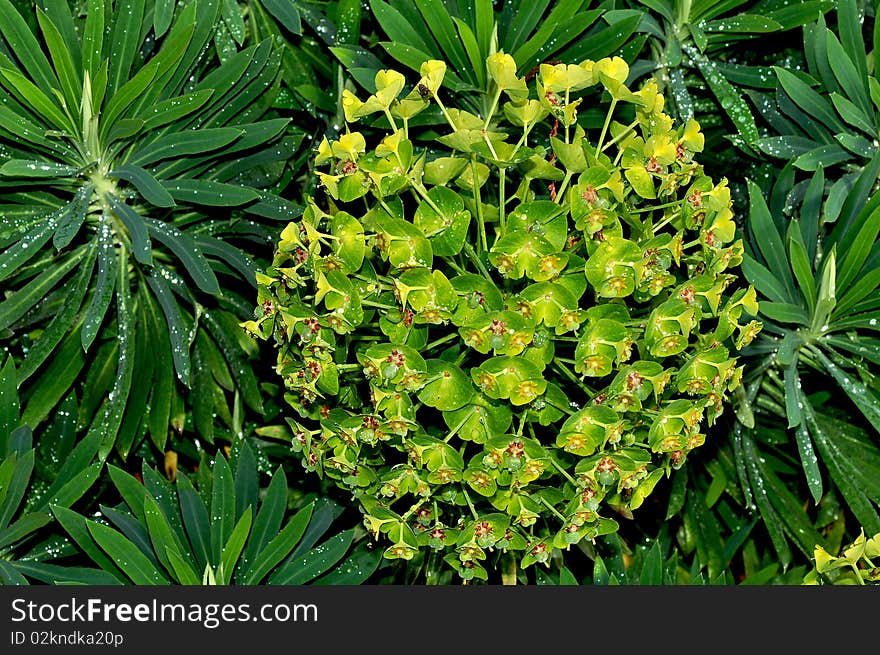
137, 231
268, 520
16, 486
55, 380
304, 568
104, 285
76, 526
356, 569
277, 549
195, 520
210, 193
285, 13
72, 217
183, 245
126, 555
179, 144
222, 507
149, 188
124, 40
26, 47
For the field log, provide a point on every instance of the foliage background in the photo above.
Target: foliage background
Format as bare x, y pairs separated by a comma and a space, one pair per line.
786, 94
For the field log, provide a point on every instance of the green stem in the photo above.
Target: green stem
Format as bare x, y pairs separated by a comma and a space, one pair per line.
522, 141
561, 193
412, 509
440, 341
562, 408
423, 192
458, 269
567, 97
390, 119
378, 305
469, 251
492, 109
445, 113
558, 514
564, 473
571, 376
379, 278
605, 126
666, 220
489, 143
470, 503
673, 203
502, 200
458, 427
478, 201
629, 128
385, 206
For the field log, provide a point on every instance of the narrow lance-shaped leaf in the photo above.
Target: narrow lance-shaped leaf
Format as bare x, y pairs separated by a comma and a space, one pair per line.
27, 247
93, 37
72, 217
16, 487
184, 247
17, 305
268, 520
163, 13
104, 285
222, 507
235, 544
149, 188
864, 398
195, 520
137, 231
179, 144
277, 549
9, 403
126, 555
305, 568
176, 331
62, 59
26, 46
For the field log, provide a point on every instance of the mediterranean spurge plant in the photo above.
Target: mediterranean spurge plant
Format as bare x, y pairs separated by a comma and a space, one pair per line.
500, 342
131, 165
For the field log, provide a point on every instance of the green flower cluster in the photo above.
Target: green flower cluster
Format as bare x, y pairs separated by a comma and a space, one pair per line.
498, 332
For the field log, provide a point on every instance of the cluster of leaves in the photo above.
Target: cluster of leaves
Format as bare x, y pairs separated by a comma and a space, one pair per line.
809, 422
226, 531
149, 149
27, 493
464, 32
157, 529
825, 116
134, 168
694, 46
574, 352
818, 283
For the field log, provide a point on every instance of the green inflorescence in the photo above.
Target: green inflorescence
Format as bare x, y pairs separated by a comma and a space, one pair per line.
498, 332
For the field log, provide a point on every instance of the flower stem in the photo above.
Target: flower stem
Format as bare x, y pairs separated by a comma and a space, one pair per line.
469, 251
558, 514
478, 201
440, 341
502, 200
470, 503
492, 109
605, 126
